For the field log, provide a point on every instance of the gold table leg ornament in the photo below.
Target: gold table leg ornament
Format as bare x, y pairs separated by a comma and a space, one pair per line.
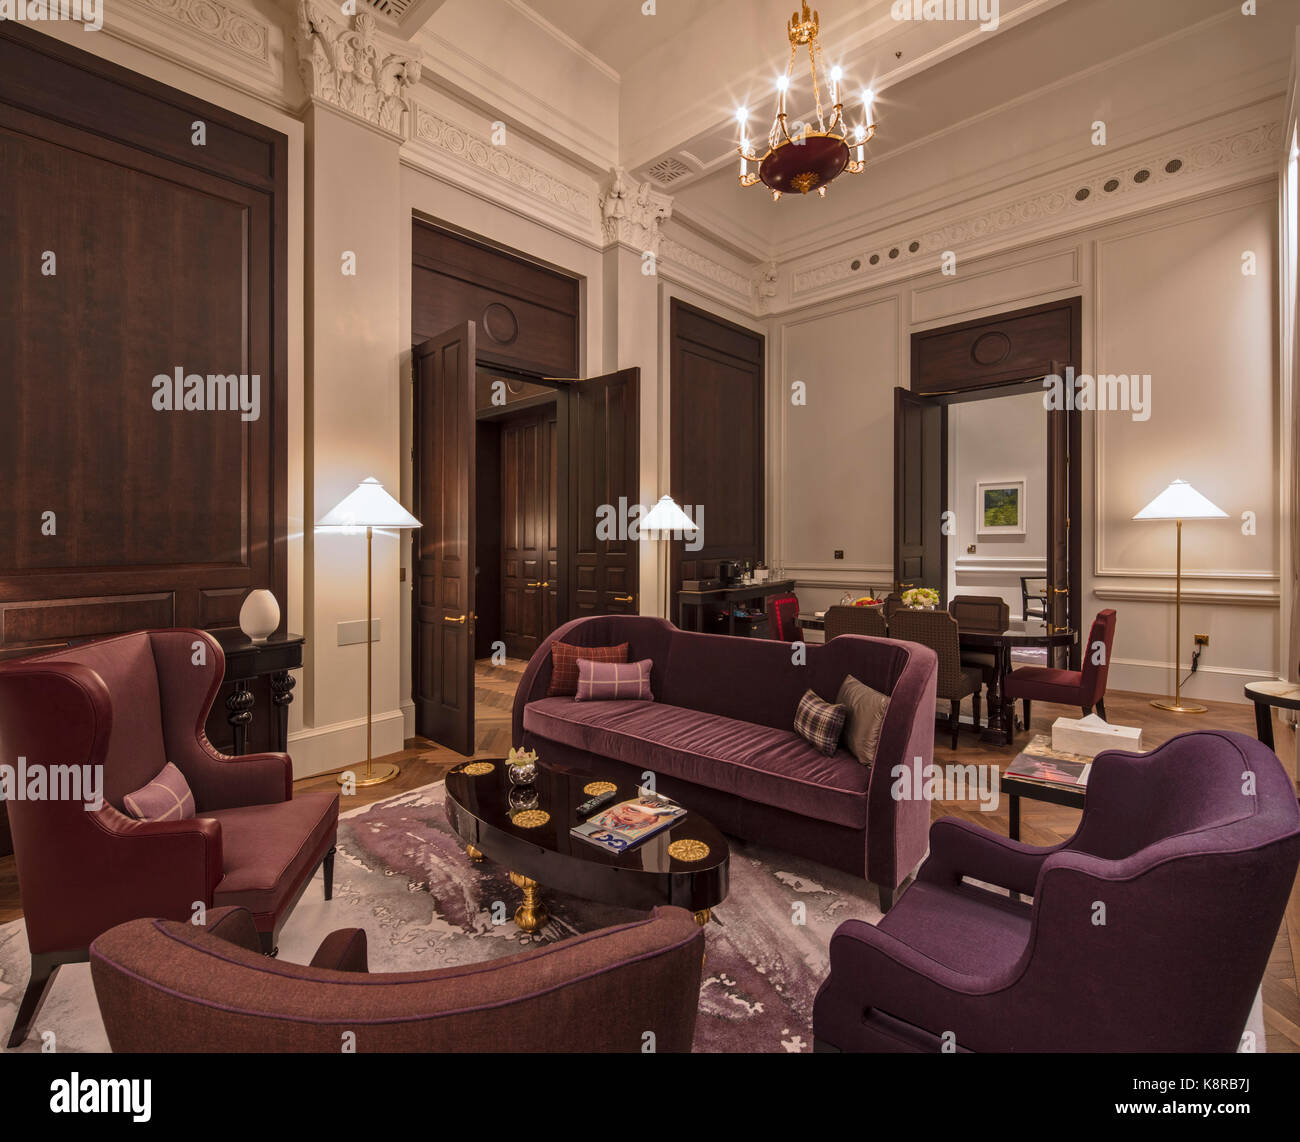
473, 854
531, 914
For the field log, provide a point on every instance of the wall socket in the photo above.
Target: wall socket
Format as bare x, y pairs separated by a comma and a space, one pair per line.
839, 555
1201, 639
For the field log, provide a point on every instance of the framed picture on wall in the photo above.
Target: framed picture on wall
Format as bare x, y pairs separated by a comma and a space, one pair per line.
1000, 507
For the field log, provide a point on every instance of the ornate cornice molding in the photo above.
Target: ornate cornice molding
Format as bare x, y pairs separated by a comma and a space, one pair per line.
465, 157
632, 213
346, 68
239, 31
704, 273
1098, 192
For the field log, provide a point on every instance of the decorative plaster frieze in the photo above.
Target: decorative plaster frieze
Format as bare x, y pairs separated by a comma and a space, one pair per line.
703, 272
632, 213
525, 181
235, 29
346, 68
1092, 195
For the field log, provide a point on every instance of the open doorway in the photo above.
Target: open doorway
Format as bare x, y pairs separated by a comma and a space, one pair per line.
984, 379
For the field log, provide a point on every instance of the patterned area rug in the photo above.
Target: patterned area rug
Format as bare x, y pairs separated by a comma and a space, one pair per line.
403, 876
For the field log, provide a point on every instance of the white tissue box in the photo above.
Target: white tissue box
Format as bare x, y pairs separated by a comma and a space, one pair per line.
1089, 736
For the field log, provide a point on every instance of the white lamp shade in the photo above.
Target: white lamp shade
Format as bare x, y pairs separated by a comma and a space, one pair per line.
667, 516
368, 506
1180, 501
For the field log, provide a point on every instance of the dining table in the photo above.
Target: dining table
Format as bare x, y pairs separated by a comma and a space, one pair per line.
999, 728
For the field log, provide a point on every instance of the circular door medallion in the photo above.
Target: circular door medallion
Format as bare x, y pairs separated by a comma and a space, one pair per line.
500, 323
991, 349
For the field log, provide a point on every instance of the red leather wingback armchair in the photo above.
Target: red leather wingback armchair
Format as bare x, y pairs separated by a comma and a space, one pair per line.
130, 704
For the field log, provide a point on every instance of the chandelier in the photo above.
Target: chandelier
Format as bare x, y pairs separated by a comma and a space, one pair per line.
805, 158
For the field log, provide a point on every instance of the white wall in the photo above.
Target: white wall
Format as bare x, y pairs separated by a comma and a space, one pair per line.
1004, 438
1163, 294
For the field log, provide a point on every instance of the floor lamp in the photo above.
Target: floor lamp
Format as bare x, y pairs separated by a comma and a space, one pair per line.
369, 507
1178, 502
665, 518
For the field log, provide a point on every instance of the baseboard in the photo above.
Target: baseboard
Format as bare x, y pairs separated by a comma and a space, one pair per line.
1209, 683
322, 749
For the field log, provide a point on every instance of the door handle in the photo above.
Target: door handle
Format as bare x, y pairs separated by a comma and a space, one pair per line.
1060, 590
538, 584
624, 598
449, 619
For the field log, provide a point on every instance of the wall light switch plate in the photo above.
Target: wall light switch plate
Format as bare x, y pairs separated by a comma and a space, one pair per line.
352, 633
839, 555
970, 549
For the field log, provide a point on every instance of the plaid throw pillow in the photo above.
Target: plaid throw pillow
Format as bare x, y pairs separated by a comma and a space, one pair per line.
166, 798
564, 664
606, 681
819, 723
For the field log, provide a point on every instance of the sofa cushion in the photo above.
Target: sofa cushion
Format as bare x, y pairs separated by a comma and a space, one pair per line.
564, 664
867, 709
166, 798
820, 723
268, 850
756, 763
965, 928
613, 681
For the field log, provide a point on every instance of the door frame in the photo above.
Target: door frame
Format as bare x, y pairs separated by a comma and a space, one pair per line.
973, 387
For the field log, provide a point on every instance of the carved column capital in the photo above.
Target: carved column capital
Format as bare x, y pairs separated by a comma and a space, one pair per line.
632, 213
349, 69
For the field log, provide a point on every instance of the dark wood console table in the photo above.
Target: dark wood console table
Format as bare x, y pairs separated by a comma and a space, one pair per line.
698, 601
247, 660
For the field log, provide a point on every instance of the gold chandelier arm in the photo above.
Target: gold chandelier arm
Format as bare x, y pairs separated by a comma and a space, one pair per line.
814, 57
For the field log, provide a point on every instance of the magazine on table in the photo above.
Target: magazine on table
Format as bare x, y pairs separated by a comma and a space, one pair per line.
619, 827
1040, 762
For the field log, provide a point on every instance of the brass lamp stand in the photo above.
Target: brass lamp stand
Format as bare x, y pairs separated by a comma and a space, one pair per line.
369, 506
1178, 502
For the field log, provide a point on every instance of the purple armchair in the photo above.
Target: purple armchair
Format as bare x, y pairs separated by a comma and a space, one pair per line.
1149, 929
127, 706
164, 986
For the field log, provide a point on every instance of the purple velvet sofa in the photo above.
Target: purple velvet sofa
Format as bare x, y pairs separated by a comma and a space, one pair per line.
1192, 849
719, 737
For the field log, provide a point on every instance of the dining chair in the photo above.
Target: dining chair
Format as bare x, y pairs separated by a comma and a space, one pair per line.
785, 618
989, 613
855, 620
1084, 688
1033, 597
938, 631
893, 602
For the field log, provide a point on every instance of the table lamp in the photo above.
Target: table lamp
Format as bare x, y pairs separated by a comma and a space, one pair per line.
665, 518
1178, 502
369, 506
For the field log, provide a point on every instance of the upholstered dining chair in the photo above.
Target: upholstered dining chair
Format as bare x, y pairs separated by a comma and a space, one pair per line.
983, 613
842, 619
124, 707
166, 986
785, 618
1084, 688
938, 631
1192, 864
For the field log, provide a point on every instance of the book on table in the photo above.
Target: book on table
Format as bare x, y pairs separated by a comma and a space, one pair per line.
1041, 763
619, 827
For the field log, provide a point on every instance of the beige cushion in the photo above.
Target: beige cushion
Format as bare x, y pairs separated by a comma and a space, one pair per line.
866, 716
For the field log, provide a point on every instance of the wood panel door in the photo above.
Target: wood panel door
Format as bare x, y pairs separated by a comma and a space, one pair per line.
1064, 505
529, 571
132, 258
601, 451
444, 548
718, 452
920, 492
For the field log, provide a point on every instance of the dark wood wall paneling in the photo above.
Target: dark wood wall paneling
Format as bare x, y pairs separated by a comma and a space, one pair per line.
526, 315
167, 254
717, 438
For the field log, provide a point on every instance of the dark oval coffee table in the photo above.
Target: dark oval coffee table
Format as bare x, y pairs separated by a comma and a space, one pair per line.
685, 865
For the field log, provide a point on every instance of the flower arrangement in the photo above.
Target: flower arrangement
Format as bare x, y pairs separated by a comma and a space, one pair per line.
921, 597
521, 766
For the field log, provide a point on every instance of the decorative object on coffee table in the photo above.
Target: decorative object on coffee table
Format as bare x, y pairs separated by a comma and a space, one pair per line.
369, 506
1178, 502
521, 766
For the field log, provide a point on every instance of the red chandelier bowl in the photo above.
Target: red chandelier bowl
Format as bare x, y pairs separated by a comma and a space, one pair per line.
799, 167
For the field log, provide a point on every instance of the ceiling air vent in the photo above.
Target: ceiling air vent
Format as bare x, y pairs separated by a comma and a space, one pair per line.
393, 9
667, 171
